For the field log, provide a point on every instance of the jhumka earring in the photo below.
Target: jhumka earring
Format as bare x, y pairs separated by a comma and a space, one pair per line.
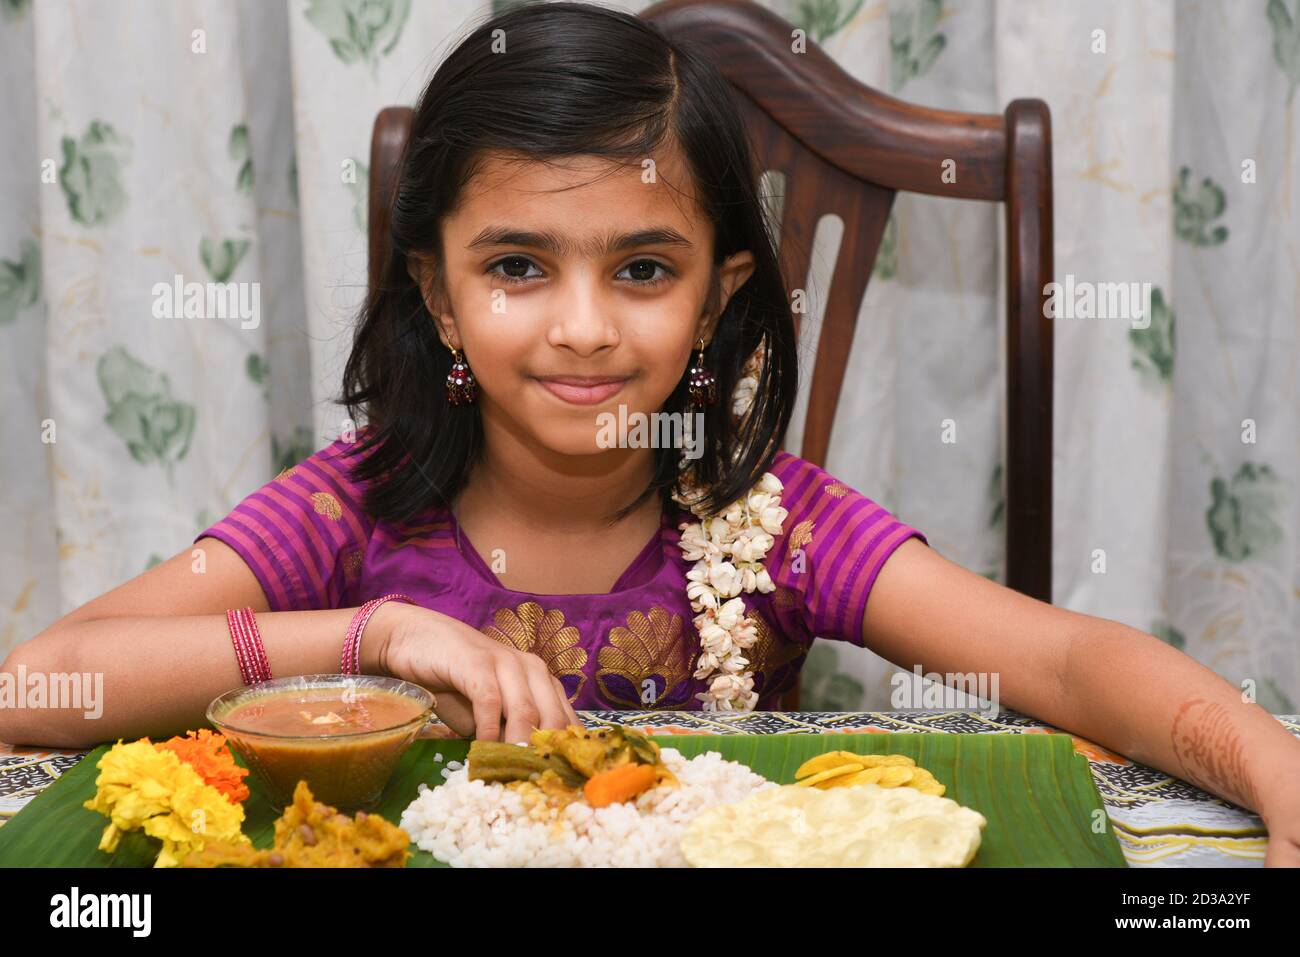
462, 387
701, 384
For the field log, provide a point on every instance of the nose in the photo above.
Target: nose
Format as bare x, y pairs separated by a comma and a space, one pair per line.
586, 321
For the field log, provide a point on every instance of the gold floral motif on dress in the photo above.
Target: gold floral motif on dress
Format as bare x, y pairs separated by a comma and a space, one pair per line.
650, 646
836, 490
768, 652
286, 473
326, 504
801, 534
529, 629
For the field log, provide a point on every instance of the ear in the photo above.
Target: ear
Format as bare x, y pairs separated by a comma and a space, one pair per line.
732, 274
423, 270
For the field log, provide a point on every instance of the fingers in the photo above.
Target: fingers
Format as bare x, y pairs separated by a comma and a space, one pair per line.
483, 685
547, 692
510, 688
485, 695
522, 715
456, 713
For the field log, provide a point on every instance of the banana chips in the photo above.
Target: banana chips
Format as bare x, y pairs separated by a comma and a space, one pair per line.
844, 769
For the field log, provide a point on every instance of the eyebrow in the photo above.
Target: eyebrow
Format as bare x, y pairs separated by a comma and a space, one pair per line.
563, 246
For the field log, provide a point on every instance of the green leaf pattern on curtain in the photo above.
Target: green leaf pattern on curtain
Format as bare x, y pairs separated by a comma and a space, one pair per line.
288, 452
914, 40
142, 411
91, 175
822, 19
20, 281
221, 257
1285, 22
242, 154
359, 30
1195, 209
12, 10
1243, 513
1153, 346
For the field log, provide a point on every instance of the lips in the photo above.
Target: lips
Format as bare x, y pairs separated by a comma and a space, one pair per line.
582, 390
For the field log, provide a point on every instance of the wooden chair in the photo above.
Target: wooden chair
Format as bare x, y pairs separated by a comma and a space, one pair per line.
846, 148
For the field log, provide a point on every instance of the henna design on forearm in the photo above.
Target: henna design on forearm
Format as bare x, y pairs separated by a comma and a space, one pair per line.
1210, 750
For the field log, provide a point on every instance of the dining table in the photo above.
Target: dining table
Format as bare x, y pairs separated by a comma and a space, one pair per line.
1159, 820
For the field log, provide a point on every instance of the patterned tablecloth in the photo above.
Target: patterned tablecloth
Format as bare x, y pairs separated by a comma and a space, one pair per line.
1161, 821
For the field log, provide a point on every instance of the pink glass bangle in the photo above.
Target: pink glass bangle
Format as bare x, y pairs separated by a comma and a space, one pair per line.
247, 671
258, 647
254, 652
350, 659
249, 652
241, 653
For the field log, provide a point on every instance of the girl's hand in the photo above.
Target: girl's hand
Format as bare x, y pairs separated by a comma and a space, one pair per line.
1283, 846
481, 684
1282, 818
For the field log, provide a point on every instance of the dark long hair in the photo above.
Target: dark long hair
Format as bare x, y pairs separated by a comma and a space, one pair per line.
576, 78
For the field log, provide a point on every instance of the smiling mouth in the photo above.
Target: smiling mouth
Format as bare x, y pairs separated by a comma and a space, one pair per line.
582, 390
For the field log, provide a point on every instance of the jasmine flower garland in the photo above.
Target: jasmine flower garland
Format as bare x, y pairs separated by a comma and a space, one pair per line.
728, 549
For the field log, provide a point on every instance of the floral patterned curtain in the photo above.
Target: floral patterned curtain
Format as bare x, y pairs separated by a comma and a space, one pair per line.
158, 150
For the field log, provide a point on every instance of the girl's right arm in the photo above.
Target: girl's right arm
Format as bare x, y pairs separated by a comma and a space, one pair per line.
150, 655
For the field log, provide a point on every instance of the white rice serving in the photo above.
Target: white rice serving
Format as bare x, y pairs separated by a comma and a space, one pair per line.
468, 823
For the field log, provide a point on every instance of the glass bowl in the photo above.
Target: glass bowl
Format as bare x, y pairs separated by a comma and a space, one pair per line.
346, 761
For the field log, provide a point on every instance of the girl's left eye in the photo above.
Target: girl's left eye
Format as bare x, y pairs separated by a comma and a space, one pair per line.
642, 270
640, 266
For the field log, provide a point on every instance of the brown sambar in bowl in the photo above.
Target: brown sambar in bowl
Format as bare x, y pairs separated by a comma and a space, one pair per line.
342, 734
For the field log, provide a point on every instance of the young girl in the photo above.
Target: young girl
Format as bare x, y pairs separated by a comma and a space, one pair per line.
577, 240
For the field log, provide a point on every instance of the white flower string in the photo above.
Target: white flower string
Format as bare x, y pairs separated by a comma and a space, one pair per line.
728, 549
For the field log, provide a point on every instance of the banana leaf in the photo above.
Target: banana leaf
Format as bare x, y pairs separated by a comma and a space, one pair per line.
1036, 791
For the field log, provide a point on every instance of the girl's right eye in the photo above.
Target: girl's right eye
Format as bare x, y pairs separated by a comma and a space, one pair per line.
511, 264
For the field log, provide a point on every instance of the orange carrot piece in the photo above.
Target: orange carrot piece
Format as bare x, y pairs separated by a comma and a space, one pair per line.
619, 784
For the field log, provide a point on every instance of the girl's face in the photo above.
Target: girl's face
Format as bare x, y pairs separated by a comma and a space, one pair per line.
558, 274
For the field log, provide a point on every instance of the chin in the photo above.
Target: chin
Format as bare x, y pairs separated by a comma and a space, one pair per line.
576, 438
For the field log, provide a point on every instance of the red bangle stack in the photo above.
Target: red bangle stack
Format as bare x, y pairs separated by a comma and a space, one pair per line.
253, 666
350, 660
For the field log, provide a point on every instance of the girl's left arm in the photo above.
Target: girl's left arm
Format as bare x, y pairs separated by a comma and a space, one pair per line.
1107, 682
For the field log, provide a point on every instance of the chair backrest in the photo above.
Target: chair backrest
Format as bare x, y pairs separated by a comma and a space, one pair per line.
846, 149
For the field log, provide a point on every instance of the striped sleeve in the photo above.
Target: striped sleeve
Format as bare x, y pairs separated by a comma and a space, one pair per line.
303, 534
832, 545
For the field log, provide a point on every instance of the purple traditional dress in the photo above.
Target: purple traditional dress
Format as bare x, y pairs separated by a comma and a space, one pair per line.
311, 546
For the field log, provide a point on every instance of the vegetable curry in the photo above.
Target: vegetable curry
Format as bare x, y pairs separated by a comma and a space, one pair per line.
599, 765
